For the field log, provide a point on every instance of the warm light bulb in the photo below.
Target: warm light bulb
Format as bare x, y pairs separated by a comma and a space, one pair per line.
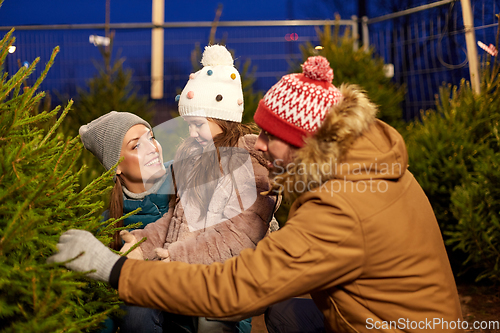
319, 47
12, 49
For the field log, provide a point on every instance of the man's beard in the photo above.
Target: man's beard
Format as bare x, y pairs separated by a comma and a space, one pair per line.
279, 166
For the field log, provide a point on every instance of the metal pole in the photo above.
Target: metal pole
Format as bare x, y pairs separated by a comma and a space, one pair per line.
470, 39
200, 24
366, 38
355, 33
107, 48
107, 19
362, 12
157, 49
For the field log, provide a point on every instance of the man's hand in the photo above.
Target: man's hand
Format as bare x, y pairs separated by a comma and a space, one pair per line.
130, 241
89, 252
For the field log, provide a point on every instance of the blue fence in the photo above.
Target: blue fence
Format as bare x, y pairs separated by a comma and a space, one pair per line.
428, 49
270, 49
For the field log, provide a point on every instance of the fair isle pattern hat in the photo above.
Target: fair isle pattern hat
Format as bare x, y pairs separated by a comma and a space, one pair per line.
296, 106
215, 90
103, 136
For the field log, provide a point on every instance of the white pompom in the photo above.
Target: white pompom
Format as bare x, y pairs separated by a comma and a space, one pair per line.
216, 55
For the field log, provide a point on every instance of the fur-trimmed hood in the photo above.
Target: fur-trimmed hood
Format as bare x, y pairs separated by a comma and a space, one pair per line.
351, 145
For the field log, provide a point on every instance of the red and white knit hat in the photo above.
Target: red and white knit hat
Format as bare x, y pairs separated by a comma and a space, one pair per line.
296, 106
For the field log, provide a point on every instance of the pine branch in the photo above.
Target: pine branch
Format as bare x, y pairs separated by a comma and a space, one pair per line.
16, 187
59, 121
135, 246
5, 48
18, 78
17, 160
9, 231
30, 91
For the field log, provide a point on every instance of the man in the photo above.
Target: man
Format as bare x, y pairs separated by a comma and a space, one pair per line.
361, 236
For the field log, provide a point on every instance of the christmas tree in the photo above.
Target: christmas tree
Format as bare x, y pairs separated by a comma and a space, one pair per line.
454, 153
39, 199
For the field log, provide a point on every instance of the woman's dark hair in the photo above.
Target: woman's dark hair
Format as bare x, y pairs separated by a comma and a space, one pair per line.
116, 211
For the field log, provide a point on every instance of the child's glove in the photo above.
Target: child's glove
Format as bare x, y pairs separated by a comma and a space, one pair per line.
130, 241
96, 256
162, 254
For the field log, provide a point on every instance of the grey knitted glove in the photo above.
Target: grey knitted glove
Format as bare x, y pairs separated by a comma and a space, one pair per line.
96, 255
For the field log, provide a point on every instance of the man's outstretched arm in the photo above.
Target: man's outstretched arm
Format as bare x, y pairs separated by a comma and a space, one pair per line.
292, 261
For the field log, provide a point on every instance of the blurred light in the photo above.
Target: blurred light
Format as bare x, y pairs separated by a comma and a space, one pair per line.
12, 49
26, 64
389, 70
99, 40
292, 36
319, 47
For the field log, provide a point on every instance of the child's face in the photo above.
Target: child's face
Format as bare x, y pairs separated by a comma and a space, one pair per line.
201, 129
143, 159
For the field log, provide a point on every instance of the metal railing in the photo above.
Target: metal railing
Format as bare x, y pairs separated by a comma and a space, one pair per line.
427, 47
267, 44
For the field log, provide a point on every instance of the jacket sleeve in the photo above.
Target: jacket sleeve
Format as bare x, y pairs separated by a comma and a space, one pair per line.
155, 232
320, 247
226, 239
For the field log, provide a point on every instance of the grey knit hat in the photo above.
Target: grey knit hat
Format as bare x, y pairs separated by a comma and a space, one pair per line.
103, 136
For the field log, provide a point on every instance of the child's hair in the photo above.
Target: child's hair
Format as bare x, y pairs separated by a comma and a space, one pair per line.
231, 132
197, 169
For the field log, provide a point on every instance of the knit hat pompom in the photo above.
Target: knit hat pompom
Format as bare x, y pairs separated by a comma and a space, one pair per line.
318, 68
216, 55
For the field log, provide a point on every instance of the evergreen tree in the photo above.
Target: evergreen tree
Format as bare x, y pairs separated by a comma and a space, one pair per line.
476, 206
454, 153
39, 199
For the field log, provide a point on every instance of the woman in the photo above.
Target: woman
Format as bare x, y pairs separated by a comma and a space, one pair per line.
141, 181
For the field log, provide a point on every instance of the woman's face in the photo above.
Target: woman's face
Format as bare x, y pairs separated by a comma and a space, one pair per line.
143, 161
202, 129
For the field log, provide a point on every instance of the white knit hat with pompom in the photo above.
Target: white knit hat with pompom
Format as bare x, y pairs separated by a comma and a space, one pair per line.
215, 90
